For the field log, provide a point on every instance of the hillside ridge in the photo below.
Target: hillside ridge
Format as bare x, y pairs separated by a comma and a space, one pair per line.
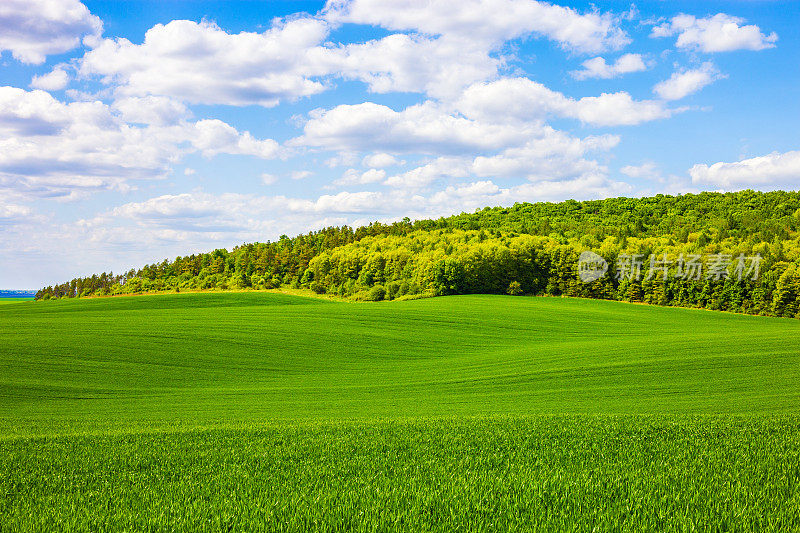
729, 251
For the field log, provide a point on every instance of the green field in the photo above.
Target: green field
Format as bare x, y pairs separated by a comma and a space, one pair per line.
14, 300
268, 411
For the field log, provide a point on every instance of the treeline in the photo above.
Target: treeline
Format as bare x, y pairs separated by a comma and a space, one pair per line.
528, 248
451, 261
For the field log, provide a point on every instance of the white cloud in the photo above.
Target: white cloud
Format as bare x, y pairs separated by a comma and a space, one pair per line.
598, 68
523, 99
647, 170
212, 137
552, 156
200, 63
381, 160
519, 99
156, 110
616, 109
342, 159
34, 29
269, 179
489, 117
189, 172
12, 212
718, 33
495, 130
372, 175
422, 176
171, 207
775, 169
440, 67
49, 148
686, 82
423, 128
55, 80
301, 174
489, 21
356, 177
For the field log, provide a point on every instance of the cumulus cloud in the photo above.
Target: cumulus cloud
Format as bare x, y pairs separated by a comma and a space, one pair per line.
212, 137
647, 170
524, 99
201, 63
616, 109
54, 80
598, 68
342, 159
550, 155
487, 118
487, 21
775, 169
381, 160
424, 175
495, 129
356, 177
553, 156
439, 67
686, 82
717, 33
50, 148
156, 110
34, 29
424, 128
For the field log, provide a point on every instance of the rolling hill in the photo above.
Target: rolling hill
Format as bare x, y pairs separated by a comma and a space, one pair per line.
271, 412
258, 356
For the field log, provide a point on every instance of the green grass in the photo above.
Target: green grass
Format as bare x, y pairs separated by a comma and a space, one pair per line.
14, 300
214, 358
561, 474
277, 412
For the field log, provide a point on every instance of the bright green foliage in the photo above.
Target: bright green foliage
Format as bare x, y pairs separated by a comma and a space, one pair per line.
376, 293
441, 262
514, 288
536, 245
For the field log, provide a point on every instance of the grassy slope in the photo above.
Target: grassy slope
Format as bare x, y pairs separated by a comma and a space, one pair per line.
234, 358
14, 300
278, 374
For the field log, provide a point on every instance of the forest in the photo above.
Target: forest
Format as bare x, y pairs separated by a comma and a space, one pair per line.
527, 249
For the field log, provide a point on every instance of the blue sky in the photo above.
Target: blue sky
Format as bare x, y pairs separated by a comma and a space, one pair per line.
135, 131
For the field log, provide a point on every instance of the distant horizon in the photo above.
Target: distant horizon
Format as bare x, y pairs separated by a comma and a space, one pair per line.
5, 292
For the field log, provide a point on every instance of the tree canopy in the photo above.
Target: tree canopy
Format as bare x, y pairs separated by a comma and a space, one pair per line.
530, 248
